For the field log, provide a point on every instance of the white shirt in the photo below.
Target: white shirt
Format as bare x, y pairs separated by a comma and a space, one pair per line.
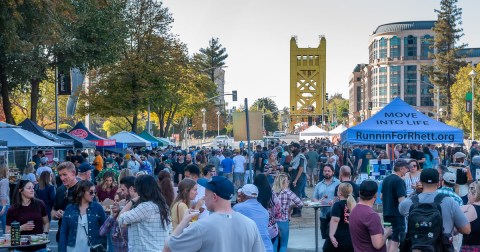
200, 195
134, 166
239, 162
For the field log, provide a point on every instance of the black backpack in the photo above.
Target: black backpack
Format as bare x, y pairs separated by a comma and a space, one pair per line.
425, 226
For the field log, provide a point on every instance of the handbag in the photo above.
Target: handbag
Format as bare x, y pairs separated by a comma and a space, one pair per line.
93, 248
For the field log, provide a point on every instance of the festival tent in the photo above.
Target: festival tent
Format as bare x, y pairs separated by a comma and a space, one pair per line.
338, 130
20, 138
78, 143
81, 131
166, 141
33, 127
312, 132
147, 136
130, 139
399, 122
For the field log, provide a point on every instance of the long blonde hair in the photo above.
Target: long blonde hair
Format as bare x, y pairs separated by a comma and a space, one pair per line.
3, 171
345, 190
279, 182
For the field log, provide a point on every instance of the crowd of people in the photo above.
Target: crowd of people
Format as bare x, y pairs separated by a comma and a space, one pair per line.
181, 200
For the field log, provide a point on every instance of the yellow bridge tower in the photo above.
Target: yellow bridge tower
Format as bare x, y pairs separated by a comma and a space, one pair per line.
308, 101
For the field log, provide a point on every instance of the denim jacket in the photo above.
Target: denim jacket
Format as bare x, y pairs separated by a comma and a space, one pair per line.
68, 232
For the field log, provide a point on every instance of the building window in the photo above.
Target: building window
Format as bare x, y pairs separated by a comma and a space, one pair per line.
375, 51
395, 47
382, 78
411, 101
395, 81
410, 84
359, 99
426, 91
410, 47
383, 48
426, 47
410, 75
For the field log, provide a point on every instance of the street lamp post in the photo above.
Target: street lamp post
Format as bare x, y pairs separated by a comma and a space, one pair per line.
218, 123
204, 126
473, 74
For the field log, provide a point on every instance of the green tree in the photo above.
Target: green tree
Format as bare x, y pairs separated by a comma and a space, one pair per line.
268, 107
124, 88
211, 57
460, 118
338, 108
447, 60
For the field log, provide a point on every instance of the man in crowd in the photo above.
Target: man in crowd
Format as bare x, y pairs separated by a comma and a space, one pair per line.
98, 163
325, 193
36, 158
394, 191
448, 187
298, 175
249, 206
365, 155
43, 167
365, 225
85, 171
435, 155
239, 170
179, 167
463, 174
223, 230
259, 159
346, 176
452, 215
312, 165
208, 172
214, 159
64, 195
226, 166
474, 149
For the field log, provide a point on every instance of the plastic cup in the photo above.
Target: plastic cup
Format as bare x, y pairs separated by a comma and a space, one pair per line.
195, 218
387, 224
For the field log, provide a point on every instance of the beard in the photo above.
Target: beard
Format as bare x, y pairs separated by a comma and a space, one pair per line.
328, 176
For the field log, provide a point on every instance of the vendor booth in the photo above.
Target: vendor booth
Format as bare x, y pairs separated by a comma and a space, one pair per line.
313, 132
155, 142
82, 132
81, 144
131, 140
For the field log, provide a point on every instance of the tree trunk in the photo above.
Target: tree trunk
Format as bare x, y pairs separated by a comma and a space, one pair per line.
135, 122
7, 106
34, 97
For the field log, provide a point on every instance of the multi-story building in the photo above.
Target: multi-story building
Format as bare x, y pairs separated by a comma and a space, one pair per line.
397, 51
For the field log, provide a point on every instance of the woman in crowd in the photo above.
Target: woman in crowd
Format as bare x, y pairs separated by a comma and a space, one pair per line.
4, 195
108, 188
398, 151
269, 201
412, 177
30, 212
146, 216
287, 198
339, 234
187, 191
82, 220
382, 155
429, 160
272, 166
200, 160
46, 191
166, 186
29, 173
471, 242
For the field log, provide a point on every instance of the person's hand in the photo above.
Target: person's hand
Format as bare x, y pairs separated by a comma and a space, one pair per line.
334, 241
2, 212
59, 214
294, 183
189, 214
388, 231
330, 202
29, 226
115, 209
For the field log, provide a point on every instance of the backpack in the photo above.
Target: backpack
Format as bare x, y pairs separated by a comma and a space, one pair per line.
425, 227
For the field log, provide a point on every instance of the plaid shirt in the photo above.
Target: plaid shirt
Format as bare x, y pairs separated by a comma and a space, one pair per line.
287, 198
145, 231
449, 191
119, 234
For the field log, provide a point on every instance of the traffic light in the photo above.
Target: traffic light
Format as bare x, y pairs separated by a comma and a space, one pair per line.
293, 108
326, 96
234, 95
189, 122
370, 105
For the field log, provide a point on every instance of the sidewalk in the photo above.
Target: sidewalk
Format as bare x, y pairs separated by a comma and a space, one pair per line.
303, 239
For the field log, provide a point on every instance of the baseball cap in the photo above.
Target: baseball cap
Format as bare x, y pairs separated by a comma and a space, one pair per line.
450, 177
84, 167
368, 188
429, 176
474, 142
220, 185
459, 155
109, 160
44, 160
249, 190
329, 149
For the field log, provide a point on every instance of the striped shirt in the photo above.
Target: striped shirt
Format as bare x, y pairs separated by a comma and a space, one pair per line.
449, 191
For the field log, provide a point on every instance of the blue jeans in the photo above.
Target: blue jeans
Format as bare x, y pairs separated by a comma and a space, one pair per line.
3, 218
283, 233
298, 191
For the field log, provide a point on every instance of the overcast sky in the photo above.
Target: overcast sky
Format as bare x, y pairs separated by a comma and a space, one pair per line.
256, 34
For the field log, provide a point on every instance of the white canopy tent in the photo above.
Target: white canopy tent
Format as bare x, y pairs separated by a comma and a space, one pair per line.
338, 130
313, 132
